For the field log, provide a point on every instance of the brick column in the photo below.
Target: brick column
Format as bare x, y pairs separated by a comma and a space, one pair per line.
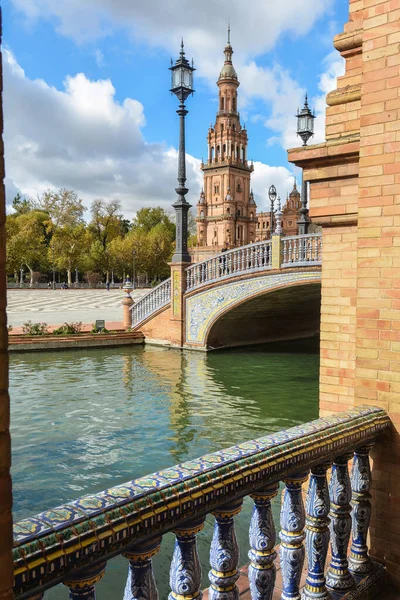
6, 564
178, 287
355, 195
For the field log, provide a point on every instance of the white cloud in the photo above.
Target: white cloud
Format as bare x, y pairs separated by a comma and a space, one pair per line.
99, 58
264, 176
81, 138
160, 23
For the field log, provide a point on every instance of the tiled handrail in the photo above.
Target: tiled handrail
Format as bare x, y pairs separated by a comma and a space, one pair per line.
300, 249
245, 259
151, 302
72, 543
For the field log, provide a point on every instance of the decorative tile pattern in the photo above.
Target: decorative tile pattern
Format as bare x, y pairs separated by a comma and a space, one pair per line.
203, 309
76, 535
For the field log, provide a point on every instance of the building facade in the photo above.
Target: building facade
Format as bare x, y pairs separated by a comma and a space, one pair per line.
226, 211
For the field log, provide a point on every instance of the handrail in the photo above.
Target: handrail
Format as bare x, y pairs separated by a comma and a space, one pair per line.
53, 545
148, 304
244, 259
302, 249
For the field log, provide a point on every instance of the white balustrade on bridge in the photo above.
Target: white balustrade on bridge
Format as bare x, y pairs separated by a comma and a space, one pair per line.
157, 298
302, 249
251, 258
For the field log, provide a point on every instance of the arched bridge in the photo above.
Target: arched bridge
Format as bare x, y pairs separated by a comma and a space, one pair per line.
261, 292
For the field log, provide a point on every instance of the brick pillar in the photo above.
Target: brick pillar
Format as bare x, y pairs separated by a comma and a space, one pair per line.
6, 564
277, 251
378, 261
355, 195
178, 287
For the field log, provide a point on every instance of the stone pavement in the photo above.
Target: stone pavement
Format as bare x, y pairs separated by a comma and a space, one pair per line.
56, 307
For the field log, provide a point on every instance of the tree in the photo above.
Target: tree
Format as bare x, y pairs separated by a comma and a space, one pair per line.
27, 244
148, 218
67, 246
107, 223
64, 207
21, 205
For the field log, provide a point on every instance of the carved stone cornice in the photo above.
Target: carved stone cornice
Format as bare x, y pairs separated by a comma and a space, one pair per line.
348, 40
350, 93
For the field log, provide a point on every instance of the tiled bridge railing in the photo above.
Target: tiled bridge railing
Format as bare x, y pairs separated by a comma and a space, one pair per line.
72, 543
155, 299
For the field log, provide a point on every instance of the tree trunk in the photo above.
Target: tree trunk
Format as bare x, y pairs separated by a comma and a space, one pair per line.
69, 275
107, 277
16, 276
31, 278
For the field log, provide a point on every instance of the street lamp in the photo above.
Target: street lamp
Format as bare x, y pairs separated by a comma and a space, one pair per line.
182, 87
21, 279
305, 122
272, 197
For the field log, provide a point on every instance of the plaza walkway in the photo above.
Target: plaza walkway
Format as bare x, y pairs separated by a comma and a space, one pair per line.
56, 307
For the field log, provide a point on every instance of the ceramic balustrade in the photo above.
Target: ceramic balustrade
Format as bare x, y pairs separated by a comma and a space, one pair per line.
254, 257
72, 543
302, 249
152, 301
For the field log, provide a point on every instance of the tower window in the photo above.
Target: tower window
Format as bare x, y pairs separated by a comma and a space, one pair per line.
234, 127
238, 212
222, 126
228, 210
263, 224
216, 189
234, 104
222, 104
251, 215
258, 225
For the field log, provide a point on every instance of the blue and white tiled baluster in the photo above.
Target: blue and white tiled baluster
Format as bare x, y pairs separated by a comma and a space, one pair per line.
317, 534
338, 577
82, 584
224, 554
185, 573
292, 536
359, 561
141, 584
262, 569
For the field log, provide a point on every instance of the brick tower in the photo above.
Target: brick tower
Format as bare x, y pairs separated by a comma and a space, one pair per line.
226, 211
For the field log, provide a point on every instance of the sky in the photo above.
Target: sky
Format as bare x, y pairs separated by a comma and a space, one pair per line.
87, 105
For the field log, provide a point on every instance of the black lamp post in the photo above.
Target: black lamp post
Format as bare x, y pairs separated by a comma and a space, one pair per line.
305, 122
305, 129
272, 197
182, 87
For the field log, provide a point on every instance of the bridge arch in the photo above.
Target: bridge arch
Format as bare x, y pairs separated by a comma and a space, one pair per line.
265, 308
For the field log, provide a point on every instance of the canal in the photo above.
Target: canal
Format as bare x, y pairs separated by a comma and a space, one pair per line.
88, 420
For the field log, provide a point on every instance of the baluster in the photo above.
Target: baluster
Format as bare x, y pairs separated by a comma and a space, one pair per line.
338, 577
230, 263
141, 584
235, 262
202, 273
290, 251
185, 573
243, 260
224, 554
285, 249
359, 561
317, 536
82, 584
292, 535
188, 279
262, 569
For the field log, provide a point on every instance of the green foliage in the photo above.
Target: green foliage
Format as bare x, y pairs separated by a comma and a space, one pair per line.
21, 205
68, 329
95, 330
30, 328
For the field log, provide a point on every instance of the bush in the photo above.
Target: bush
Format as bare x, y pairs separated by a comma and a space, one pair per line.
69, 329
95, 330
30, 328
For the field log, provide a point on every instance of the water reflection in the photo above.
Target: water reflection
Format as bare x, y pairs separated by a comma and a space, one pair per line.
85, 421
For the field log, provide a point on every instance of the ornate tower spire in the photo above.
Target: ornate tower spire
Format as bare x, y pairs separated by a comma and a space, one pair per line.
230, 211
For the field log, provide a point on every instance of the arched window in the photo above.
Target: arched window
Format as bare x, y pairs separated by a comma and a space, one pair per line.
224, 150
234, 127
251, 215
212, 153
234, 104
202, 213
238, 212
222, 103
258, 225
237, 151
243, 154
228, 211
218, 150
222, 126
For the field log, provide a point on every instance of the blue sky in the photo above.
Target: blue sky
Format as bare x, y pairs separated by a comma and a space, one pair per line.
87, 105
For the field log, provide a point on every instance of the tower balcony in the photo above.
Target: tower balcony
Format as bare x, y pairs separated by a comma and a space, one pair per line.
228, 161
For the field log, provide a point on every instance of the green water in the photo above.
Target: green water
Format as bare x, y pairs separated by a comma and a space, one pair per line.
84, 421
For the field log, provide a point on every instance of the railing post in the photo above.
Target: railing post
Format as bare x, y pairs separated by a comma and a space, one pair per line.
82, 585
224, 554
185, 574
317, 534
141, 584
277, 251
292, 535
262, 569
359, 561
338, 576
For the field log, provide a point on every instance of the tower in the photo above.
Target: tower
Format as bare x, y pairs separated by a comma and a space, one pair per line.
226, 211
291, 212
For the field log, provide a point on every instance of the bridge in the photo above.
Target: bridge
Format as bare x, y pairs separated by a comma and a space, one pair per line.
261, 292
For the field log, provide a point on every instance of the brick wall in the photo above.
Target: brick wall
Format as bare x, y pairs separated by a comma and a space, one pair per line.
355, 195
6, 567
